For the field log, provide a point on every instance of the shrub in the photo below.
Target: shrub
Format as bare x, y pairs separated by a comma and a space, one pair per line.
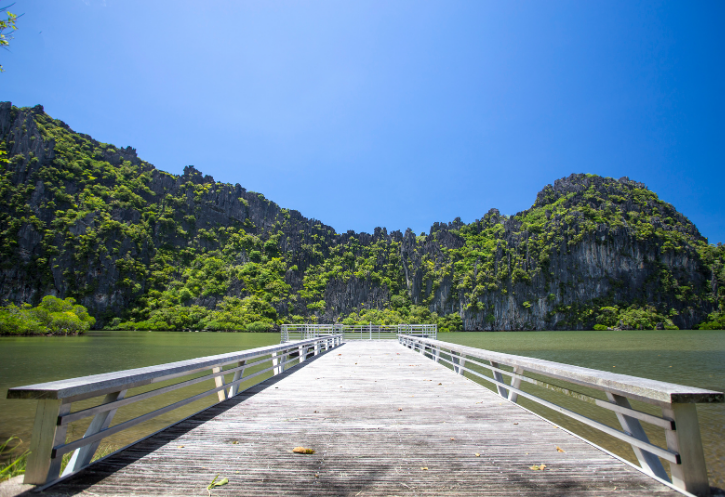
52, 315
259, 327
716, 321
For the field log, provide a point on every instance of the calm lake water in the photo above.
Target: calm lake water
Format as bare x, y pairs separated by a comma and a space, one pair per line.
695, 358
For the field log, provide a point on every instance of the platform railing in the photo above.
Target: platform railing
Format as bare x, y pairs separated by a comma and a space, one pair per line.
678, 420
357, 332
53, 414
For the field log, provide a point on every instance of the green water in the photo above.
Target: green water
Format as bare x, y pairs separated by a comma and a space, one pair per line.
695, 358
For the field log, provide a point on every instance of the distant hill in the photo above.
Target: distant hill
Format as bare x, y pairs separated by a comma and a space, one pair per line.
141, 248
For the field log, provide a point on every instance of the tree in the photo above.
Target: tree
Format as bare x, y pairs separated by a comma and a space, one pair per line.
7, 23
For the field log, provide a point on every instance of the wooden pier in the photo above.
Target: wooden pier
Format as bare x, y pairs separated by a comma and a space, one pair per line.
383, 420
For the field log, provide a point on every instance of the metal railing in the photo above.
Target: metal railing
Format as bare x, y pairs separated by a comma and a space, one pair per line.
679, 415
53, 414
352, 332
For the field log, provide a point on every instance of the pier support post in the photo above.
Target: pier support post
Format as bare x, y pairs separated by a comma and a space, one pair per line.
691, 474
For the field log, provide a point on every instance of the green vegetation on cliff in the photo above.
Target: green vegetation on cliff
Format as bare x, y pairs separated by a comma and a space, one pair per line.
143, 249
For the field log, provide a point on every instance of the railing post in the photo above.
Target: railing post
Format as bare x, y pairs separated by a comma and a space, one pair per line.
82, 457
458, 362
317, 348
283, 356
219, 382
499, 377
41, 467
302, 352
275, 364
691, 473
437, 355
234, 389
516, 383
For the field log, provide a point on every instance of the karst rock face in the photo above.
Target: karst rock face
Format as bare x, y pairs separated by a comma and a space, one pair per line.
93, 221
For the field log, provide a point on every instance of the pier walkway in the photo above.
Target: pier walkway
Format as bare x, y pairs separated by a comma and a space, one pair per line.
383, 420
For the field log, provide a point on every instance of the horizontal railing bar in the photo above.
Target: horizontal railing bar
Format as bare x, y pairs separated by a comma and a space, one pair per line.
75, 416
94, 385
646, 390
658, 451
665, 423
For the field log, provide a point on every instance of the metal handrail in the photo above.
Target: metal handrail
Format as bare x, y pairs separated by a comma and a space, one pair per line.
367, 331
679, 415
53, 414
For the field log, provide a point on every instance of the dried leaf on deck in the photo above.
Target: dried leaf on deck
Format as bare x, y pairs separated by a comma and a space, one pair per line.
540, 467
559, 449
478, 455
424, 468
303, 450
215, 483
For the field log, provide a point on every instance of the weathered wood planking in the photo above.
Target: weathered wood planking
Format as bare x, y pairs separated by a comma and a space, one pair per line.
346, 406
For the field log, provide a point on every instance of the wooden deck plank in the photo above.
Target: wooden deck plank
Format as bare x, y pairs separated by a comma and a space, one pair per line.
346, 406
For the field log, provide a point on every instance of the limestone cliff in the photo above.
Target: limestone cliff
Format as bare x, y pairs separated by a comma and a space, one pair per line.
137, 245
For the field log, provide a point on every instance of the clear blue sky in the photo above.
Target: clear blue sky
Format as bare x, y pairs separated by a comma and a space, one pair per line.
396, 114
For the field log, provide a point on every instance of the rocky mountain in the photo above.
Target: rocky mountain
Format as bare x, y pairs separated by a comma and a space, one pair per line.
141, 248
